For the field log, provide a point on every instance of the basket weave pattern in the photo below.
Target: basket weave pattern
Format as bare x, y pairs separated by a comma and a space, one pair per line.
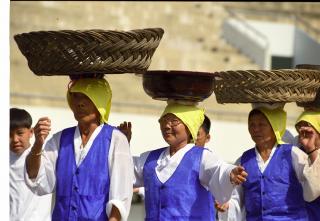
283, 85
70, 52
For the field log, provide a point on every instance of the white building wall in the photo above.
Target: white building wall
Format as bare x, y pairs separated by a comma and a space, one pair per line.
280, 37
306, 49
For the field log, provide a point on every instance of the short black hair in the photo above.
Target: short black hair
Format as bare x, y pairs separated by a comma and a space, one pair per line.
206, 124
19, 118
255, 112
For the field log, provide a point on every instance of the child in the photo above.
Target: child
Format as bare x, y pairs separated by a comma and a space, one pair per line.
203, 135
24, 204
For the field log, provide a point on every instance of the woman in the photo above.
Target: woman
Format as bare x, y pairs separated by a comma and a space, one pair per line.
308, 127
89, 166
180, 179
276, 185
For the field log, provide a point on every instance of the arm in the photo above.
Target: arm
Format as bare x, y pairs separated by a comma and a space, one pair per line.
114, 214
218, 176
121, 177
234, 210
33, 161
45, 179
307, 173
307, 137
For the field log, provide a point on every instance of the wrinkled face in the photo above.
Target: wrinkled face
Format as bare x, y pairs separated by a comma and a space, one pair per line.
202, 137
174, 132
20, 139
83, 109
260, 130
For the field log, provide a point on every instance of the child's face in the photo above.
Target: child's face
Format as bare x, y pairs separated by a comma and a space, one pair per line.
20, 139
202, 137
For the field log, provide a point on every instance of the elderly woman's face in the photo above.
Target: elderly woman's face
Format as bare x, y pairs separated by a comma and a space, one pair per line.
174, 132
83, 108
260, 130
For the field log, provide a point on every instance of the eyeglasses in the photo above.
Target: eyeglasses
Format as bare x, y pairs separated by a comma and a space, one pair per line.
173, 122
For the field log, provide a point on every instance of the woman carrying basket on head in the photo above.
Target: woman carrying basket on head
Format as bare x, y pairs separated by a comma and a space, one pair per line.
280, 177
88, 166
180, 179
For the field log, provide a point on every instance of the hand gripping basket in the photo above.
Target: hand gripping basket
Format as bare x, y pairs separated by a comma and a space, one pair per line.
69, 52
250, 86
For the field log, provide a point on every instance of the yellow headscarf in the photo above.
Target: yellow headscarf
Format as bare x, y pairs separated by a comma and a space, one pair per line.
278, 120
98, 91
190, 115
312, 117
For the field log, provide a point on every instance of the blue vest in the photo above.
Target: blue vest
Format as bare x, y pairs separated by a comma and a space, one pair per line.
275, 194
313, 209
82, 192
181, 197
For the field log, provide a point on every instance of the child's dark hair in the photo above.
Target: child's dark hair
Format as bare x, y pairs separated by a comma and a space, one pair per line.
206, 124
19, 118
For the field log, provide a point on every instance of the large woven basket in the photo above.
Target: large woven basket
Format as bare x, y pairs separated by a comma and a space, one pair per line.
316, 102
250, 86
69, 52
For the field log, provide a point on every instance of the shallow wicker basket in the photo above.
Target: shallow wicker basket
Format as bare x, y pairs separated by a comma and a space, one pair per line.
69, 52
316, 102
250, 86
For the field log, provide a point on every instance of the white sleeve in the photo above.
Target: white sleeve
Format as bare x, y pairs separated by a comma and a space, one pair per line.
312, 174
215, 175
236, 210
138, 169
45, 181
121, 175
308, 174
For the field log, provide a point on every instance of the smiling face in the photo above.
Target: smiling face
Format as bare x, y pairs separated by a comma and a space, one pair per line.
174, 132
83, 109
20, 139
261, 131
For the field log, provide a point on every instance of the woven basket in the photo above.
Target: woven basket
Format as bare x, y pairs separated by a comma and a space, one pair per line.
283, 85
316, 102
70, 52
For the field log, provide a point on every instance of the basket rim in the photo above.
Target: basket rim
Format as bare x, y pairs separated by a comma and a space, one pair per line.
179, 72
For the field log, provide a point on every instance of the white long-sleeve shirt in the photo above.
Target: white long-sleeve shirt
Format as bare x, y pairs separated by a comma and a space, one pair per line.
307, 174
214, 173
24, 204
120, 168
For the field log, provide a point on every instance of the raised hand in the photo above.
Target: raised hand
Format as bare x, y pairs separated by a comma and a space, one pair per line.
125, 128
42, 130
238, 175
307, 137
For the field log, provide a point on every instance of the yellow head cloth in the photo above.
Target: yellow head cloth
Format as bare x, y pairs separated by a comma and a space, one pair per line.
98, 91
312, 117
190, 115
278, 120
